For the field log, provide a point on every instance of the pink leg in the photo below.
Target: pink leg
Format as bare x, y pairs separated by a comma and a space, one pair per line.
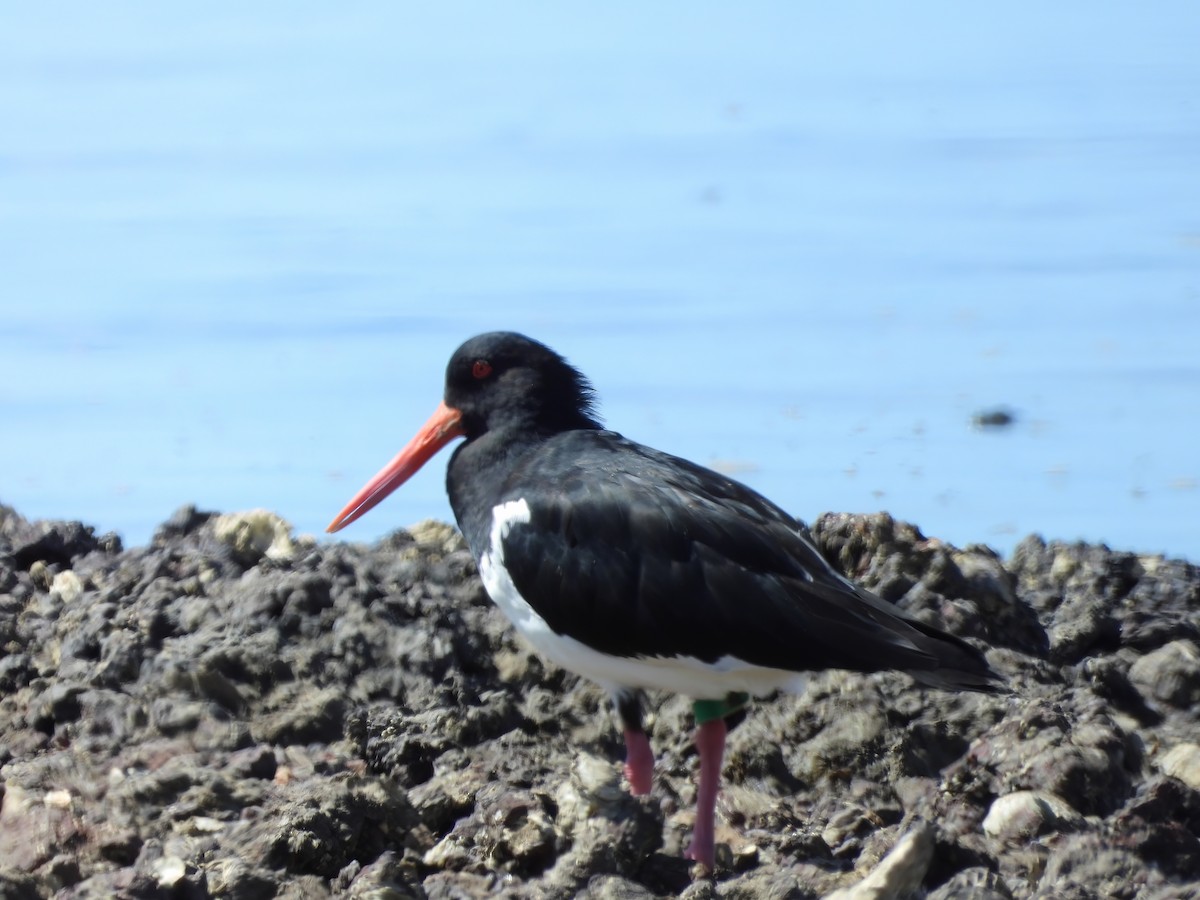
639, 762
710, 741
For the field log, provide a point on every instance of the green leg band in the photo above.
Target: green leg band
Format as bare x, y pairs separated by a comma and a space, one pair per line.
711, 710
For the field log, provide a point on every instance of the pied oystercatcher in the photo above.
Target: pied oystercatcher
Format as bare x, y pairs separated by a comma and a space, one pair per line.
638, 569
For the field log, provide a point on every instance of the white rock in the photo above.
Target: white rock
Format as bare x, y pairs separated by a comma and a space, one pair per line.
256, 532
67, 585
1183, 762
898, 874
57, 799
433, 534
168, 871
200, 825
1023, 814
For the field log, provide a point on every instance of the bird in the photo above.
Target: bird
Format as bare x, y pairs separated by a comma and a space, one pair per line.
640, 570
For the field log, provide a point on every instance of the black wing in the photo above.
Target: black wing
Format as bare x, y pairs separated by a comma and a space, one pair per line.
638, 553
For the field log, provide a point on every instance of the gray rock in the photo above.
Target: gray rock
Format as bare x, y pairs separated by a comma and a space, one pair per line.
614, 887
204, 715
1170, 674
978, 883
1092, 865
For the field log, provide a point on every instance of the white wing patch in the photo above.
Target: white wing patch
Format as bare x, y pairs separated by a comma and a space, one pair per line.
680, 674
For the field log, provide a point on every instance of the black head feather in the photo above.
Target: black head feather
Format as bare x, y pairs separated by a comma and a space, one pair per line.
503, 379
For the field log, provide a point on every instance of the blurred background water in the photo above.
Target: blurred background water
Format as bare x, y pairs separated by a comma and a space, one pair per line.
805, 244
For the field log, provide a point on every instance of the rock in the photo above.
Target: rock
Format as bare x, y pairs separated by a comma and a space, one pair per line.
390, 877
168, 871
1085, 759
976, 883
233, 877
1170, 674
253, 762
1183, 762
185, 521
15, 886
1161, 824
50, 543
255, 534
1090, 865
614, 887
997, 417
899, 874
842, 743
67, 585
609, 831
58, 704
306, 717
968, 592
31, 830
321, 826
203, 716
1022, 815
437, 537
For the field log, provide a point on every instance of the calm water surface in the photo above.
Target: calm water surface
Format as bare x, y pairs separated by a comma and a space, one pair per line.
803, 245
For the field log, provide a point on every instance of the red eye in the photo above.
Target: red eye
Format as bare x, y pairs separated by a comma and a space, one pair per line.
481, 369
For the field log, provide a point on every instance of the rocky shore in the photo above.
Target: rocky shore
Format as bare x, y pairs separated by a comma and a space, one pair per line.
235, 711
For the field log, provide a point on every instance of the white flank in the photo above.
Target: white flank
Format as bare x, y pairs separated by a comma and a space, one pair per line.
680, 674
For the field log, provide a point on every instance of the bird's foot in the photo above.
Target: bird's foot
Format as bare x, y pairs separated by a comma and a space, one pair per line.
703, 851
639, 762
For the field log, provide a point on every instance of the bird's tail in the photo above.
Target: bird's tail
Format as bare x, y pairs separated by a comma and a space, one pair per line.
988, 682
958, 666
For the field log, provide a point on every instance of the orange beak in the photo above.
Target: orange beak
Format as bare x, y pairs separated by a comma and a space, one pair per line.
443, 426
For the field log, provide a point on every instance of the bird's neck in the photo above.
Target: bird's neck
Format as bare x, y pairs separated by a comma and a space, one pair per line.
479, 474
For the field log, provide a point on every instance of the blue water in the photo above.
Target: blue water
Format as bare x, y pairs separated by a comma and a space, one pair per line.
806, 245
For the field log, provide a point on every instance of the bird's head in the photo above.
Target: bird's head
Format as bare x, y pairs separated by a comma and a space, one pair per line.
504, 380
499, 381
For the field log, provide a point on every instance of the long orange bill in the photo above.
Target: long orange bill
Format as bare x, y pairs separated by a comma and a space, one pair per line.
443, 426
